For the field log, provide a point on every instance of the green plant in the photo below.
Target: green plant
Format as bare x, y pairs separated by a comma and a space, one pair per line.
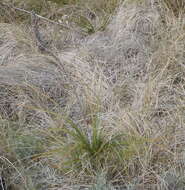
84, 23
27, 146
91, 149
84, 145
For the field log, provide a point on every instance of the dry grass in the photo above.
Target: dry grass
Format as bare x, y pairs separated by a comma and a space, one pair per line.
96, 111
176, 6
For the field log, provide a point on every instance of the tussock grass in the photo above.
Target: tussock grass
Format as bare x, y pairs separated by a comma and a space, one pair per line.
98, 111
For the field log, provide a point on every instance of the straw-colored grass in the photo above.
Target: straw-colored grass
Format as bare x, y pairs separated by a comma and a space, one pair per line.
102, 106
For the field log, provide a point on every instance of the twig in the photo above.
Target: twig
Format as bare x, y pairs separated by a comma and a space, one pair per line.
43, 46
41, 17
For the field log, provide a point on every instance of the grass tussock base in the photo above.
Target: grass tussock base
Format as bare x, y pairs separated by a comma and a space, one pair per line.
97, 110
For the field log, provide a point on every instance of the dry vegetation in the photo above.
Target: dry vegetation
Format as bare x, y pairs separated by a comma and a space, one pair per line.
96, 104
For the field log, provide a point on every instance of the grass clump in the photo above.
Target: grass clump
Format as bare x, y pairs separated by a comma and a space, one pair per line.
85, 150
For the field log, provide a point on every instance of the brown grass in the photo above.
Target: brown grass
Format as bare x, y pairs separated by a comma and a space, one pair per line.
108, 104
